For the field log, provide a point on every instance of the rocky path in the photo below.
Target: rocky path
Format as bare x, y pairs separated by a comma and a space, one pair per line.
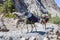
52, 32
36, 32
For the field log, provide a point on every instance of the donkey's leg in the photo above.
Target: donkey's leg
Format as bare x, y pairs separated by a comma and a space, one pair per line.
32, 27
45, 26
27, 28
35, 27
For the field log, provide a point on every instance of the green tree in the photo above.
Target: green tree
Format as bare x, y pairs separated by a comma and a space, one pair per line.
8, 6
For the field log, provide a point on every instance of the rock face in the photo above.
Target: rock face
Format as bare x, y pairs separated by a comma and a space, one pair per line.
50, 3
52, 7
38, 7
1, 1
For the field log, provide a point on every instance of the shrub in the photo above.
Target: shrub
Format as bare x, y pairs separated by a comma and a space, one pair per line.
1, 9
49, 15
8, 6
9, 15
55, 20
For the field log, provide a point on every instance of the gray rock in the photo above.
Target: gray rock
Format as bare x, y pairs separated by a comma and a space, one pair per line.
38, 7
18, 36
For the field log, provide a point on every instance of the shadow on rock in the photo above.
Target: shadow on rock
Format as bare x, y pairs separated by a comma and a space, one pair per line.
40, 32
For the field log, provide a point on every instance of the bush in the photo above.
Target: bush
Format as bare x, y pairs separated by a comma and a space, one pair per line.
8, 6
49, 15
1, 9
55, 20
9, 15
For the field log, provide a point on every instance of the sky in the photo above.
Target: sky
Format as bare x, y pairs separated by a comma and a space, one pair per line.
58, 2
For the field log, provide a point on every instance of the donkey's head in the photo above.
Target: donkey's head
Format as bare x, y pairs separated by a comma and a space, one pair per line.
45, 19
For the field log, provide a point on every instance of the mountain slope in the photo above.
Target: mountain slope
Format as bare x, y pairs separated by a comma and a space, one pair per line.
38, 6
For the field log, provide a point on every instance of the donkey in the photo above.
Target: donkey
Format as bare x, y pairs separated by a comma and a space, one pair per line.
23, 20
30, 20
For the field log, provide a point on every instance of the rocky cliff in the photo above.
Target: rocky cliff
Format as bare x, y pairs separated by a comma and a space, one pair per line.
51, 6
38, 6
1, 1
50, 3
